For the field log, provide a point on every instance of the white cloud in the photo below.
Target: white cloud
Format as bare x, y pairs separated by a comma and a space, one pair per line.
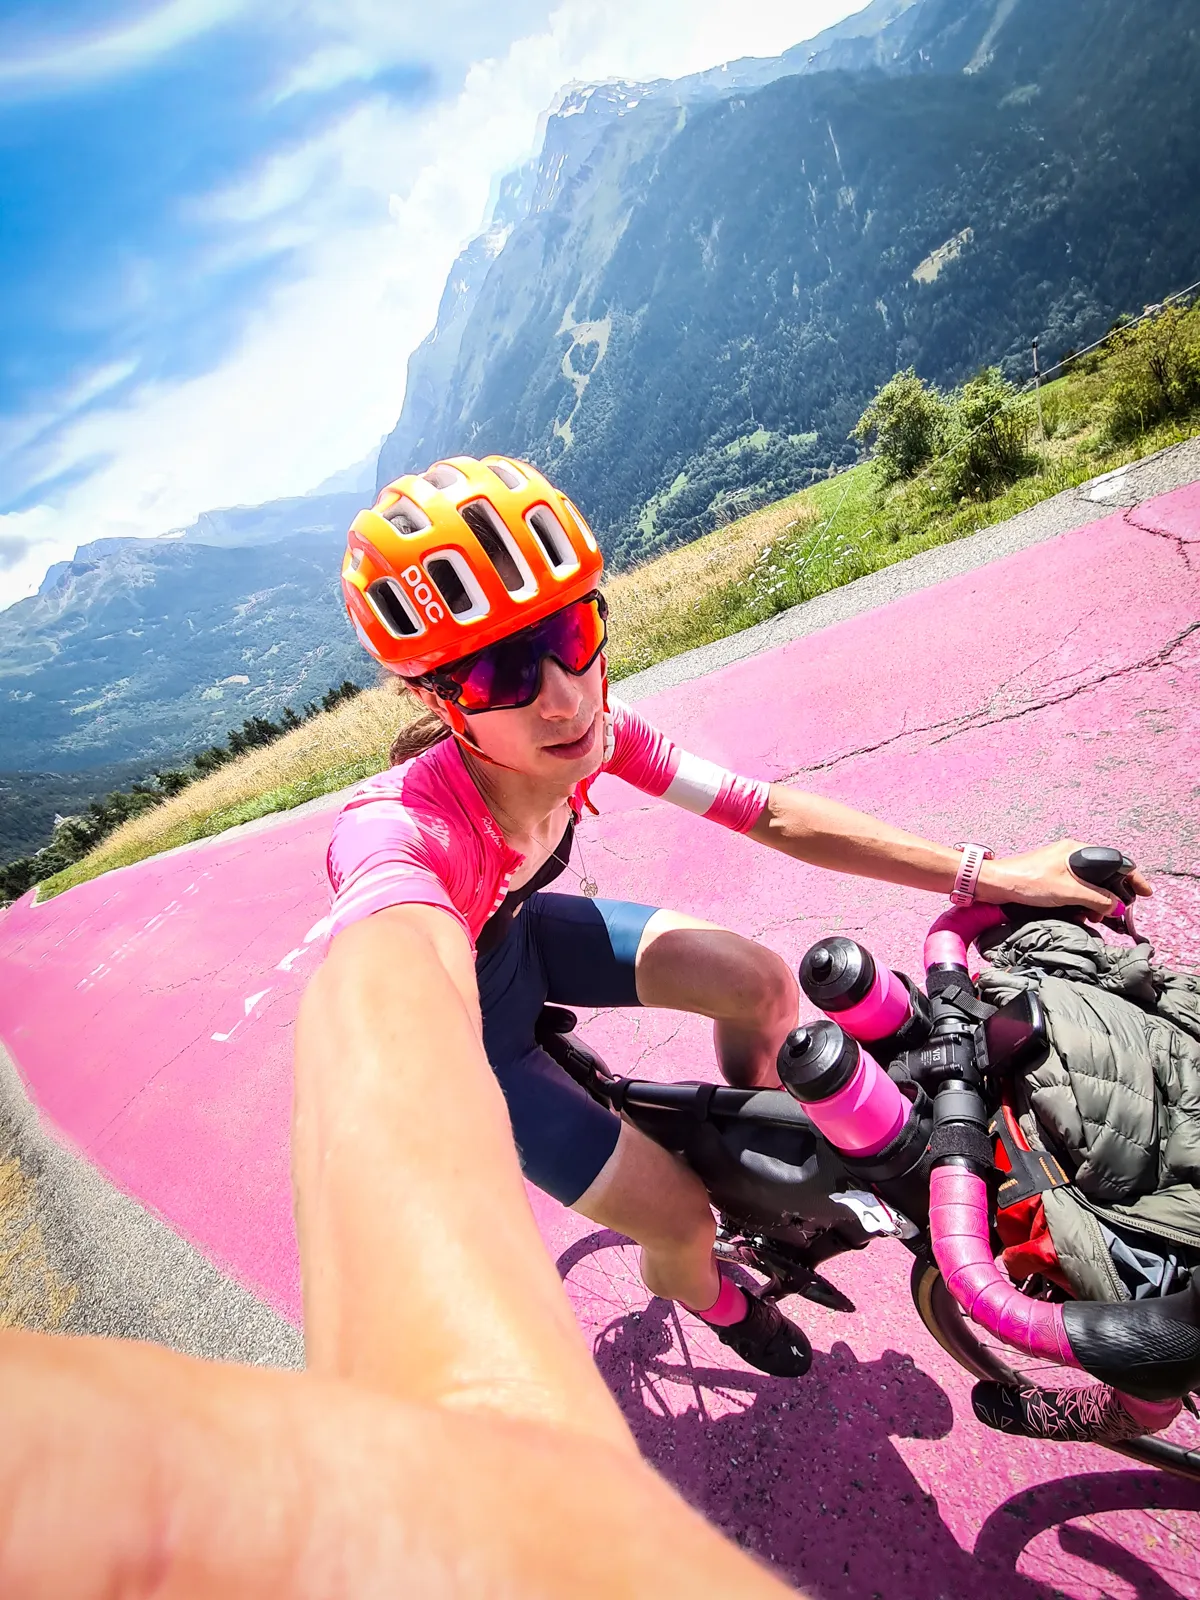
377, 205
120, 50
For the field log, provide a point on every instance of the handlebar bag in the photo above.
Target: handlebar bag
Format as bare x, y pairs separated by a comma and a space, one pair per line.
1116, 1099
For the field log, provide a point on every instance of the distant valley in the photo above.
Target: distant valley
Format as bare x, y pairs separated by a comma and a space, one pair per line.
146, 649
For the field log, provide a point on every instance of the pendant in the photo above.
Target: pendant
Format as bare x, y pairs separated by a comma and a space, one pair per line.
589, 887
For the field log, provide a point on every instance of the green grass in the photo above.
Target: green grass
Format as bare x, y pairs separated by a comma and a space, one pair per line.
861, 527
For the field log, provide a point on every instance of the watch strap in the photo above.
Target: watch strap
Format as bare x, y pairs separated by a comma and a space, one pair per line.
966, 879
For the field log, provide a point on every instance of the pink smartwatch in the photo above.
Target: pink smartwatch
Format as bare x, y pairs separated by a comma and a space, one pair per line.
967, 877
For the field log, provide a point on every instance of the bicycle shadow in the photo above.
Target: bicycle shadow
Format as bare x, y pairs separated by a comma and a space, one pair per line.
807, 1475
1013, 1526
804, 1474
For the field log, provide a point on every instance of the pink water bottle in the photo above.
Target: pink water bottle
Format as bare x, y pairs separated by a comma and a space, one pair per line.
844, 1090
869, 1002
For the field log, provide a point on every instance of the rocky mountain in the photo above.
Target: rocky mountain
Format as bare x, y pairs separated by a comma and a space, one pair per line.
692, 294
143, 650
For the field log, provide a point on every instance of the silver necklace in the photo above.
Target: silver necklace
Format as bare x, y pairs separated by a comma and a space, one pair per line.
588, 887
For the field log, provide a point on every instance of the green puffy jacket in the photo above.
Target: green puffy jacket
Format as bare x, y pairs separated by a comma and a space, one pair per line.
1117, 1099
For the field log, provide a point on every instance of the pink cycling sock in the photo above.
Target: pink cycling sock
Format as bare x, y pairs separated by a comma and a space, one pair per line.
729, 1307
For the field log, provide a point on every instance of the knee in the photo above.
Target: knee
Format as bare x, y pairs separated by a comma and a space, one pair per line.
684, 1227
767, 991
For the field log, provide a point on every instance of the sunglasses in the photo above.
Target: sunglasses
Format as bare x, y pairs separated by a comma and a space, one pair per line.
508, 674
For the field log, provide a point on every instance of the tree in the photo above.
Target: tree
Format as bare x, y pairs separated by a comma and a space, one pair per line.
1156, 372
987, 438
904, 425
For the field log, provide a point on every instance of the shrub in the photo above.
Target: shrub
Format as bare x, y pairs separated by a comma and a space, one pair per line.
987, 440
1155, 372
905, 426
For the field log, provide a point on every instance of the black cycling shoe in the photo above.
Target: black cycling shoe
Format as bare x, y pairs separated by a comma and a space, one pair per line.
765, 1339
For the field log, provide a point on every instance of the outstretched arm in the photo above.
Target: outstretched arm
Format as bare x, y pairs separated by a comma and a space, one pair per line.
424, 1273
829, 834
451, 1438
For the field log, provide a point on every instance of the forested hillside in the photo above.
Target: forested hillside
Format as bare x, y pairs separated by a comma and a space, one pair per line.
701, 294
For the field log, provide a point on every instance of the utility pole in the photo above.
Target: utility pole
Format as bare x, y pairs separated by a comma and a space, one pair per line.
1037, 389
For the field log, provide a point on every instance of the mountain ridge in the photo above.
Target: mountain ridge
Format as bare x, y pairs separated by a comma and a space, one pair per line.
716, 285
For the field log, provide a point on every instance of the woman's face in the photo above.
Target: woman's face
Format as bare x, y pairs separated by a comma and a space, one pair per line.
559, 738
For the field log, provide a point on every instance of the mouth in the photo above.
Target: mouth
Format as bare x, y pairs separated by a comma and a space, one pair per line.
574, 749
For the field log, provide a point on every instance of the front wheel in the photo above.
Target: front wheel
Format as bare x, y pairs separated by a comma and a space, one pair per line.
1177, 1449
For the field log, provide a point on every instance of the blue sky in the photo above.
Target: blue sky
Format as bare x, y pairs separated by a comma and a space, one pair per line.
224, 224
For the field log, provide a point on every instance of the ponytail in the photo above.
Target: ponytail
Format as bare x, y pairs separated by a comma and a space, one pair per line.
420, 730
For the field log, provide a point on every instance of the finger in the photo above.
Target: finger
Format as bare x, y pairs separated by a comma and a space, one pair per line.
1139, 883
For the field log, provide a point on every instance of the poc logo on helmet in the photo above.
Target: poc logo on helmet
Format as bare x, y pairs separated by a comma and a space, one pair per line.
423, 594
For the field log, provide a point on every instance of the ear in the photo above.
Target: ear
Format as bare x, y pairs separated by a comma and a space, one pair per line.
432, 702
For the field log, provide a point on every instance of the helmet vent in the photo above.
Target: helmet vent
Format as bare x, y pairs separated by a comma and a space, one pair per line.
552, 541
508, 474
443, 476
391, 605
588, 537
500, 548
406, 516
458, 585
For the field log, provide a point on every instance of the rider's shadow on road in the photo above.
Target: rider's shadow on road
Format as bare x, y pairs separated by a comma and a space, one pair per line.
804, 1474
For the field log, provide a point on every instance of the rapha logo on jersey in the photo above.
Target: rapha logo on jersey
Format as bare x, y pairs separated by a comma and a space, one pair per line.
423, 594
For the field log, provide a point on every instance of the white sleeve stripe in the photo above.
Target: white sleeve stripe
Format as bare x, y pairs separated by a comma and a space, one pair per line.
696, 784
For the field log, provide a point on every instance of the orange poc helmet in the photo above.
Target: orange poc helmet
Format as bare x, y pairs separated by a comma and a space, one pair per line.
454, 558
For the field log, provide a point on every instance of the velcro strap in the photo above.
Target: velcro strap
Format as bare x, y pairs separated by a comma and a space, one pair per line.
962, 1139
966, 1002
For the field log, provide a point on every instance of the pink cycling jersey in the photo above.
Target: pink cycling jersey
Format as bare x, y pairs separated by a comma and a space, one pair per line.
421, 833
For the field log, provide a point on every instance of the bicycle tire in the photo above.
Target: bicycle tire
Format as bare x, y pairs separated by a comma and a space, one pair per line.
958, 1336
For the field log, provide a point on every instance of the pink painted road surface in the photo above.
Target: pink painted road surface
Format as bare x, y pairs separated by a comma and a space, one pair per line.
1055, 691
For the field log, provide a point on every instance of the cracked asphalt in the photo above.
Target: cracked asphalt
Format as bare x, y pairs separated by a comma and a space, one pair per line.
1039, 679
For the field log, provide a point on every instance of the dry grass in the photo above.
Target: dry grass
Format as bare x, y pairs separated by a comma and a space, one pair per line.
327, 752
672, 604
681, 599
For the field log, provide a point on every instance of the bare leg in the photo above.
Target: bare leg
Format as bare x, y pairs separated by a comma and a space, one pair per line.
646, 1193
684, 964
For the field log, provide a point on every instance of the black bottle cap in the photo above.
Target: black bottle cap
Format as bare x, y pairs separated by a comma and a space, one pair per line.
816, 1060
837, 973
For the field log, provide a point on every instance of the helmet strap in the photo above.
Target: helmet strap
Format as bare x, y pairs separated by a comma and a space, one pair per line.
584, 790
458, 727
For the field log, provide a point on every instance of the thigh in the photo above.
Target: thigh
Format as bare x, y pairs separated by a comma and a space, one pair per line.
686, 964
588, 949
564, 1138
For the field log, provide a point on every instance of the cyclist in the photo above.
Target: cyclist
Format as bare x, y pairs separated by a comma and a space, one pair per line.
477, 582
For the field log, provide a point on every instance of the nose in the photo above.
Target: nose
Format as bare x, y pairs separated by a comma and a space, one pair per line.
561, 693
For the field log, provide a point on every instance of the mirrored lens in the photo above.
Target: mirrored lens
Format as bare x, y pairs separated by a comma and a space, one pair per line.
508, 673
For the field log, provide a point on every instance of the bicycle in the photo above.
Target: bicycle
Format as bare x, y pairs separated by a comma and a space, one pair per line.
797, 1178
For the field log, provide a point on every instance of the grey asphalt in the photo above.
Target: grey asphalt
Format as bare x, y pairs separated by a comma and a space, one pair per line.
77, 1256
